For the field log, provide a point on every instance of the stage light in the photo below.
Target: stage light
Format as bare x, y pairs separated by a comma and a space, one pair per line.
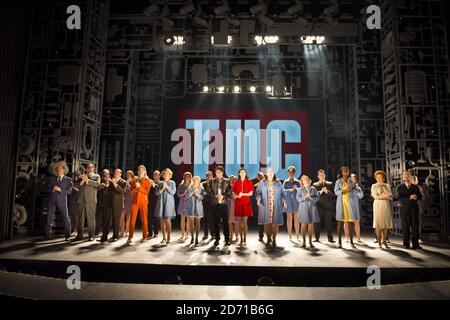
229, 39
221, 89
236, 89
312, 39
260, 40
268, 89
205, 89
179, 40
252, 89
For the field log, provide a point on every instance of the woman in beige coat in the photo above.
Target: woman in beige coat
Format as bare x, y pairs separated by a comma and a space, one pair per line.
382, 207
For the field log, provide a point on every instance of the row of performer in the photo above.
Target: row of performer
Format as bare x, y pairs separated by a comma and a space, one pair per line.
112, 202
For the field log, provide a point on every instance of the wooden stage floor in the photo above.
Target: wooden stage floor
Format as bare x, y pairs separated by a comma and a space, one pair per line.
178, 262
288, 253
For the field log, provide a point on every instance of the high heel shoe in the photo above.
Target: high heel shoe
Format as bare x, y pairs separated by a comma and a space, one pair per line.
386, 245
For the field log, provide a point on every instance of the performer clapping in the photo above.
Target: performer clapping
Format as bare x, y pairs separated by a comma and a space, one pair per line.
140, 188
345, 204
307, 197
270, 199
182, 204
242, 191
195, 207
290, 187
165, 206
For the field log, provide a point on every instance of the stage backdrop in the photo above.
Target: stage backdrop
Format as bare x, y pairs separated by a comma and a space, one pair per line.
202, 131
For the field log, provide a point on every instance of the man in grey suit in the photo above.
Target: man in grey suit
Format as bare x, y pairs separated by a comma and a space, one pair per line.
87, 200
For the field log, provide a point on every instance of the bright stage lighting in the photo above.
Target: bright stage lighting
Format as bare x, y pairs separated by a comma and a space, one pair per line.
236, 89
260, 40
312, 39
205, 88
268, 89
221, 89
229, 39
173, 40
252, 89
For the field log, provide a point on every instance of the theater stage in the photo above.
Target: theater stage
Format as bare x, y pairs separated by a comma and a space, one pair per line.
286, 265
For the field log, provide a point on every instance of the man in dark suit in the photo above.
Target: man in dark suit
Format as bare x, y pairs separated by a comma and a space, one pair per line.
104, 205
259, 177
408, 194
60, 186
325, 205
153, 223
116, 197
219, 190
87, 200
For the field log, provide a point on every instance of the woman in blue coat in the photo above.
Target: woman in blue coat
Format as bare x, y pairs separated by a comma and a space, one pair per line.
196, 194
270, 199
345, 204
182, 204
290, 188
357, 194
307, 197
165, 205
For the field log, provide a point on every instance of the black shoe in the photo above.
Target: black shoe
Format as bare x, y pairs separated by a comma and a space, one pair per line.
317, 240
261, 239
417, 247
205, 237
331, 241
77, 238
114, 239
227, 243
216, 243
91, 239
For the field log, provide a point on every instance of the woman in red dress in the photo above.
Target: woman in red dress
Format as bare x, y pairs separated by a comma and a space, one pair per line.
242, 191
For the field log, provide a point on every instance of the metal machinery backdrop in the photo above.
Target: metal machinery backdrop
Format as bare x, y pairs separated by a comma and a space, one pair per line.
96, 95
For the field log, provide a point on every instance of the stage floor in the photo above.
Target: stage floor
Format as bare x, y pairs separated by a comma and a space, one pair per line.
288, 253
287, 265
34, 287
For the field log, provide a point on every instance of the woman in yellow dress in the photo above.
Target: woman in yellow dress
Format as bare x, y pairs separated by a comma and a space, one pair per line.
345, 207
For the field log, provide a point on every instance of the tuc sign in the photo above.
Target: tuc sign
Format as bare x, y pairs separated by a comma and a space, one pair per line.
253, 139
